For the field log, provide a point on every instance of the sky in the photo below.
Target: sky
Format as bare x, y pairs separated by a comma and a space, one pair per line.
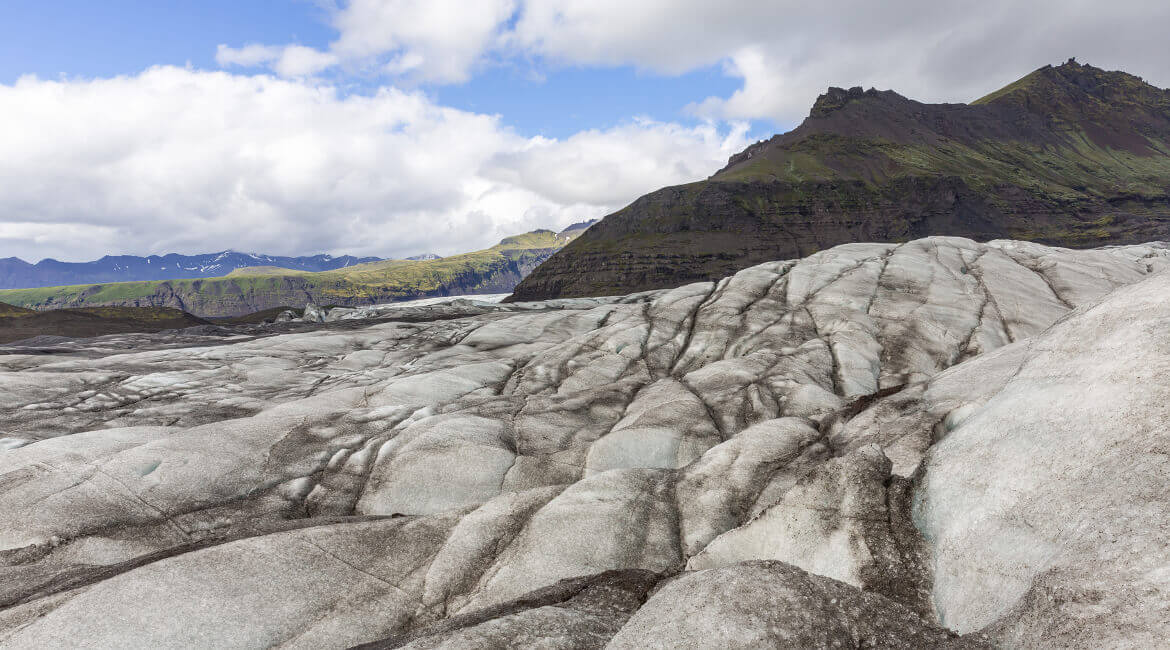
396, 127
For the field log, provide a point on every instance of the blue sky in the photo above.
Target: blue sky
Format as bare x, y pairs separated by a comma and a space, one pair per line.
78, 38
111, 37
568, 99
395, 127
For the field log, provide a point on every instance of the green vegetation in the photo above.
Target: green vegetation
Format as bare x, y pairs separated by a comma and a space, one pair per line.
1061, 133
1076, 167
1024, 84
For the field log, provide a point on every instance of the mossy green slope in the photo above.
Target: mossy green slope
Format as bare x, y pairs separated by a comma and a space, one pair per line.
1069, 155
493, 270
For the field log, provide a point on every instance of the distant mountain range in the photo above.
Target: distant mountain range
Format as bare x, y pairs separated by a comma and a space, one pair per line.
16, 273
262, 284
1069, 155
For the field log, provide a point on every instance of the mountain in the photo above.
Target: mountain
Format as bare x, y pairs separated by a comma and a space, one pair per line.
1069, 155
16, 273
580, 226
257, 288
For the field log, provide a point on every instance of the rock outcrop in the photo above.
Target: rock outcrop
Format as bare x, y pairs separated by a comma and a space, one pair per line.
312, 314
933, 444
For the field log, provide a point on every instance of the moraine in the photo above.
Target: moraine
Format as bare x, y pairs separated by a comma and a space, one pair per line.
883, 444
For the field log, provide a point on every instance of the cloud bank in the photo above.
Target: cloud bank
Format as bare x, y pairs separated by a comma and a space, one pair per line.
174, 159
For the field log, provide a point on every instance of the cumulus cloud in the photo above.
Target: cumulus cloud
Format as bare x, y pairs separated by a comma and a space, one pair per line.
429, 40
611, 166
174, 159
785, 52
420, 40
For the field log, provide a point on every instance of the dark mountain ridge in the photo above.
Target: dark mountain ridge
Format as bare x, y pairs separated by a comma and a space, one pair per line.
1069, 155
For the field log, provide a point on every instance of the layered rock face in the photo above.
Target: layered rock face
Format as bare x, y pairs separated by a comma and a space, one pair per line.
934, 444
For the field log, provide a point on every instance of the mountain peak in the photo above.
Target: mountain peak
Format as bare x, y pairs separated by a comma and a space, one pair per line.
579, 226
835, 98
1080, 82
1114, 109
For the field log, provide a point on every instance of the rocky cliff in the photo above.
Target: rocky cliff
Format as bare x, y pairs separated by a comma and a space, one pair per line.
1069, 155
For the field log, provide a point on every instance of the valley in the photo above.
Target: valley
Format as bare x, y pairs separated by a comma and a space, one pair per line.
253, 289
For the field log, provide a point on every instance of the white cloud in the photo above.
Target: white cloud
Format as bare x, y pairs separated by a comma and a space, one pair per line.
670, 36
248, 56
301, 61
174, 159
786, 52
422, 40
429, 40
287, 61
612, 166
